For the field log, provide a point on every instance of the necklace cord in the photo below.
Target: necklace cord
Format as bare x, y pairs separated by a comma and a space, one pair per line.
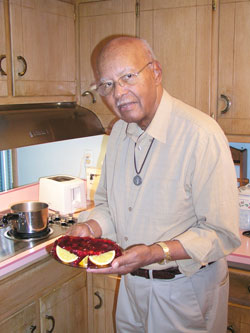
138, 172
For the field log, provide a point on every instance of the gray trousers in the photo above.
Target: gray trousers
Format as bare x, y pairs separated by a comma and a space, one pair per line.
182, 305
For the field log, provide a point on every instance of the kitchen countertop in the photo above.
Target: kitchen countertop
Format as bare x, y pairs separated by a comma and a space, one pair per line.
238, 259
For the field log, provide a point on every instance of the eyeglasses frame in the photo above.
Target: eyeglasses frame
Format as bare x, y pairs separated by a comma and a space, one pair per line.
123, 84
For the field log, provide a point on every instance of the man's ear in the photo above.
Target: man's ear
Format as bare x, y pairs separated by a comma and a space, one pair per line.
157, 72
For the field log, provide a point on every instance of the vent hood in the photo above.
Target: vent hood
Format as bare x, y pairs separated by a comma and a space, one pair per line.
31, 124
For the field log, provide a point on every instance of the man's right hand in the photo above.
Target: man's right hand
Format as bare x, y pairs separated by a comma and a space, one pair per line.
88, 228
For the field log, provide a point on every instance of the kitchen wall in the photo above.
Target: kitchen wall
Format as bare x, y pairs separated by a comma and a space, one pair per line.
63, 157
67, 157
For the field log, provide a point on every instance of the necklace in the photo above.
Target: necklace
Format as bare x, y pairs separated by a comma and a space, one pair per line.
137, 179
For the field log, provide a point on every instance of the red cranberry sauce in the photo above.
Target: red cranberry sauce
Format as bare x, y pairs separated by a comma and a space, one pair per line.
83, 246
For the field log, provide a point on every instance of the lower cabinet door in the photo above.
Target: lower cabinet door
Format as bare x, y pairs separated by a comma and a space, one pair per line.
104, 299
23, 321
64, 309
238, 318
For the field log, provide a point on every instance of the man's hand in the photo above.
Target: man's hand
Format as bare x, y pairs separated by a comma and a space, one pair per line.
79, 229
90, 228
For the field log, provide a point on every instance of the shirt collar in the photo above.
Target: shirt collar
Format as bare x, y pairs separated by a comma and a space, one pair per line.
159, 124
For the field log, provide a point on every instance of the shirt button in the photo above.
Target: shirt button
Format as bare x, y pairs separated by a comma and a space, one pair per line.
130, 209
126, 239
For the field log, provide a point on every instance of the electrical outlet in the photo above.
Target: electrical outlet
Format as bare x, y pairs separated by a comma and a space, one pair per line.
88, 158
93, 177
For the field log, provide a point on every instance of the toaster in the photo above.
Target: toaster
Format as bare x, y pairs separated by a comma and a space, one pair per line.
63, 194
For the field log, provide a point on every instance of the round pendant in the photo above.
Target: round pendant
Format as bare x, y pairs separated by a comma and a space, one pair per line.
137, 180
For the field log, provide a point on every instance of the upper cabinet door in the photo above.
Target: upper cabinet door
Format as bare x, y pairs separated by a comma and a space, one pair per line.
43, 47
99, 20
3, 59
234, 69
180, 33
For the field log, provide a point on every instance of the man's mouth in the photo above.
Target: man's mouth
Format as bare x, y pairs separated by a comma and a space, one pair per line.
125, 106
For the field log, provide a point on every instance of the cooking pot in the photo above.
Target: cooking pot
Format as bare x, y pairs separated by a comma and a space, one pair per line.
29, 217
244, 206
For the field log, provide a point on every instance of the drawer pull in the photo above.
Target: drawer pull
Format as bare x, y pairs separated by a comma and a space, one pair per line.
248, 288
24, 65
53, 323
2, 72
228, 103
98, 306
230, 329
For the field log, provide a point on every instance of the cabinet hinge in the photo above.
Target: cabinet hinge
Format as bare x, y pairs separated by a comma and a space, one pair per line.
137, 8
214, 4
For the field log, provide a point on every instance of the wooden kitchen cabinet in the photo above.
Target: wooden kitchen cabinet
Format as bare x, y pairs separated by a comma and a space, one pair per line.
24, 320
65, 307
239, 301
102, 300
180, 33
3, 77
234, 69
42, 38
97, 21
44, 295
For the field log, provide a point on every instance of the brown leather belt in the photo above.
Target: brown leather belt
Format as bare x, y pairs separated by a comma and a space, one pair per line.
168, 273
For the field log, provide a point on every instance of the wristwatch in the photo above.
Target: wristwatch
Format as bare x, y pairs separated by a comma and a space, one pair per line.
167, 256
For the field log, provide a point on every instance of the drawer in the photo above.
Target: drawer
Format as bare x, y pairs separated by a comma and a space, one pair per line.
239, 287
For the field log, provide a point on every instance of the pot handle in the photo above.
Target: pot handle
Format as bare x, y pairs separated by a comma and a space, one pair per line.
10, 217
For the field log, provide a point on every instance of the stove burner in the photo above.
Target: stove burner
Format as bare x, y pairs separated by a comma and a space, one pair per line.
63, 220
26, 237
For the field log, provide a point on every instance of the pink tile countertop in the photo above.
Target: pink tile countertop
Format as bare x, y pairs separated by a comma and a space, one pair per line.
38, 252
21, 260
242, 254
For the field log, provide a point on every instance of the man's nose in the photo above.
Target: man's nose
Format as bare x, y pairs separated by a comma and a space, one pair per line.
119, 89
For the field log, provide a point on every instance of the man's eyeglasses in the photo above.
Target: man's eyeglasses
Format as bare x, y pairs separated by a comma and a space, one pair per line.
129, 79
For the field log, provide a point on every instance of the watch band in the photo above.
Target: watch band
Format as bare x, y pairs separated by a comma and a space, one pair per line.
167, 256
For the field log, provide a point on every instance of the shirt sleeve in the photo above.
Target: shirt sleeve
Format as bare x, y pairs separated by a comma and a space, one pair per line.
212, 179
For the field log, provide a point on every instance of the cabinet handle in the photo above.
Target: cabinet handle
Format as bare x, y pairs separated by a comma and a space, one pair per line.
248, 287
87, 92
228, 103
32, 328
53, 323
24, 65
98, 306
3, 56
230, 329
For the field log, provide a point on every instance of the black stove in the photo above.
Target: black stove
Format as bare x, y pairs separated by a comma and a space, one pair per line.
12, 244
14, 235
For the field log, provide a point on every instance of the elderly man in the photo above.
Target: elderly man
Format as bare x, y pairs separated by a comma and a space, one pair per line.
167, 195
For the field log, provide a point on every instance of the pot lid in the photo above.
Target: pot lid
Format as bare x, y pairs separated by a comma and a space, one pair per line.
30, 124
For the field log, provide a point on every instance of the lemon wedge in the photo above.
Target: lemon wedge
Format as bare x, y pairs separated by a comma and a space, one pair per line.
103, 259
65, 255
84, 262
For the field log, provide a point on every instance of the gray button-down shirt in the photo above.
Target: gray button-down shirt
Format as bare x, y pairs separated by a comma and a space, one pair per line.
188, 191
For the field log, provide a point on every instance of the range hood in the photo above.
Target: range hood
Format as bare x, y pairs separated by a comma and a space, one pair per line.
31, 124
